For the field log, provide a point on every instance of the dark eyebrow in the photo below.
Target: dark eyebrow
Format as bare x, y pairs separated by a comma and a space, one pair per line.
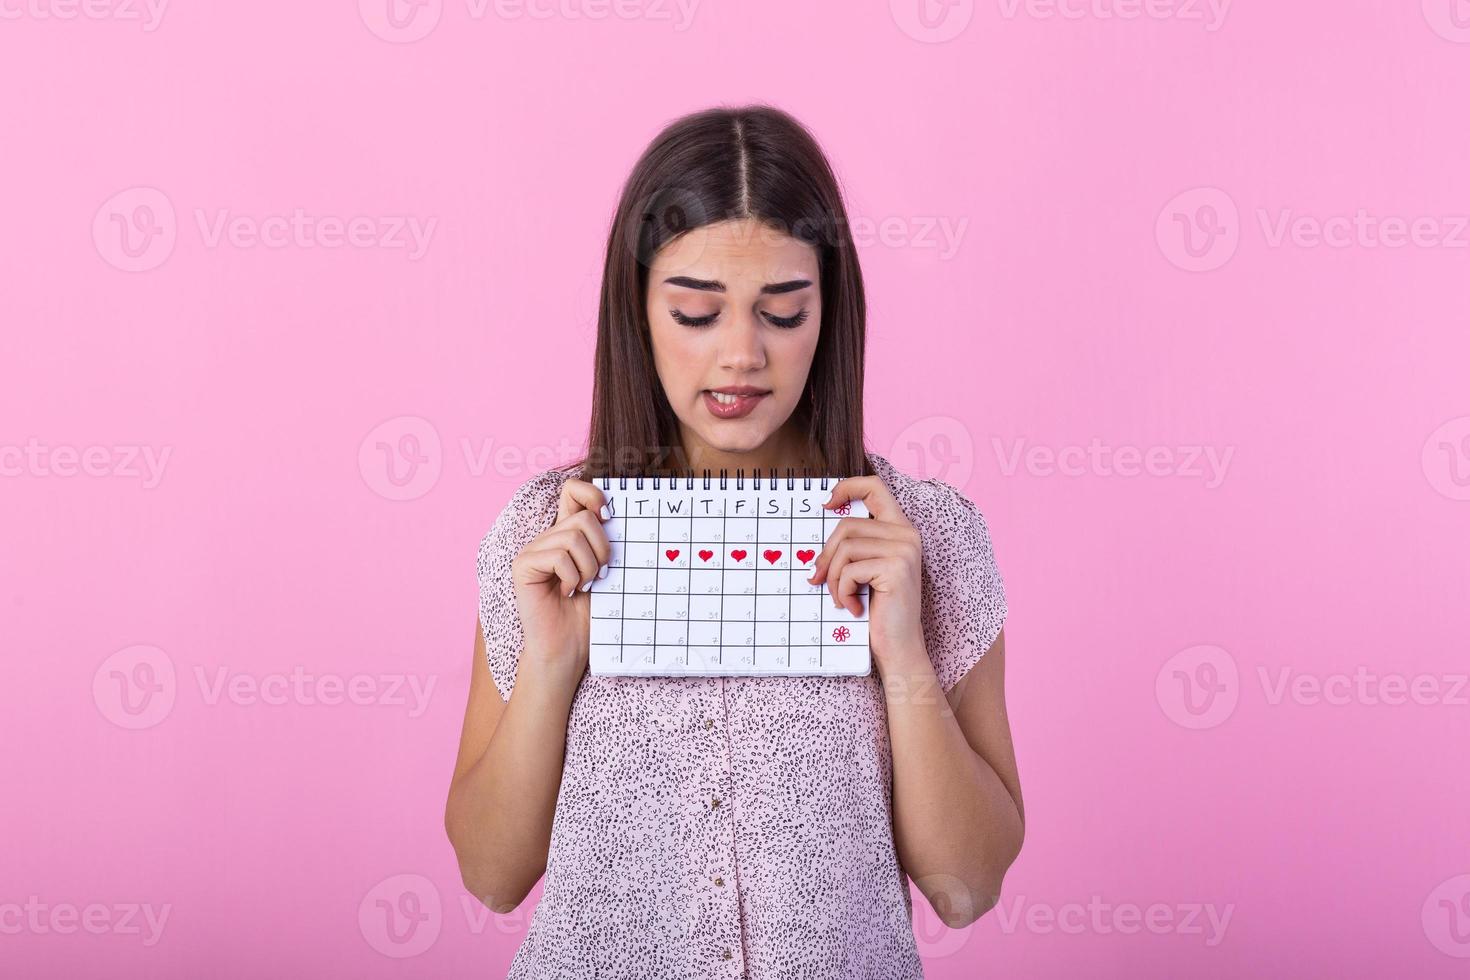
715, 286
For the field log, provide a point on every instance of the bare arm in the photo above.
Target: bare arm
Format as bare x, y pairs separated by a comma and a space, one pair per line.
958, 819
506, 778
502, 797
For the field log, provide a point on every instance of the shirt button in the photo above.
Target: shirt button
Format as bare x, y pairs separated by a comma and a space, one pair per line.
725, 955
715, 803
720, 882
709, 723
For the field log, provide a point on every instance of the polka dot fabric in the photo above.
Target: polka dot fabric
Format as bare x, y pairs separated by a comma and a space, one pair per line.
735, 827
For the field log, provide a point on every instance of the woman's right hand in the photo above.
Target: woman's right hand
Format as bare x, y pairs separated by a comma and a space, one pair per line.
548, 576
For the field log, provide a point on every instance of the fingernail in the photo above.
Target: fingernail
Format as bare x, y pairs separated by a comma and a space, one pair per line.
604, 513
587, 586
602, 572
572, 593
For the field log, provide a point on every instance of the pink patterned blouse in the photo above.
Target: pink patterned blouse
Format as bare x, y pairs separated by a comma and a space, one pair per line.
735, 827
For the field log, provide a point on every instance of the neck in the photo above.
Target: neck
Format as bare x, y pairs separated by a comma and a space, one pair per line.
786, 449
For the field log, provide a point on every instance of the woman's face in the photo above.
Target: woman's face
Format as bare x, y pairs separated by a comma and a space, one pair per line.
735, 305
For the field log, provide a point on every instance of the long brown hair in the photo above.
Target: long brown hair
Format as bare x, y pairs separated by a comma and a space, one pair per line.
710, 166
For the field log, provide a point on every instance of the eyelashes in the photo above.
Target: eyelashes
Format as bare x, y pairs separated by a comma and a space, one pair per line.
784, 322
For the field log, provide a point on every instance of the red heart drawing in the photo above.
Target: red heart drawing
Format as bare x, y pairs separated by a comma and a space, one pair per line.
805, 556
770, 555
738, 555
706, 555
672, 553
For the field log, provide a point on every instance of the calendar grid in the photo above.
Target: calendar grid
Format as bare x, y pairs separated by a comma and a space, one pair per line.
689, 579
724, 550
790, 589
660, 525
622, 588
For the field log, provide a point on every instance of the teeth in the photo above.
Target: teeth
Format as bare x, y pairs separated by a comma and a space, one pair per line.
725, 399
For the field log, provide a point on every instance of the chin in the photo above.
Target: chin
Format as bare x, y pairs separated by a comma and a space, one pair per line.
727, 440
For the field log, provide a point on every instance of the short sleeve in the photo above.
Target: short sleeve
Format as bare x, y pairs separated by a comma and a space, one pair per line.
530, 510
964, 594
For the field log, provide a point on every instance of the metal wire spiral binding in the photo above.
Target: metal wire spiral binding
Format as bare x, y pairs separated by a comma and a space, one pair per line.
671, 482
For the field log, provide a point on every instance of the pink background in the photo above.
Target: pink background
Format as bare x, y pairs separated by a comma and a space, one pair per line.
341, 423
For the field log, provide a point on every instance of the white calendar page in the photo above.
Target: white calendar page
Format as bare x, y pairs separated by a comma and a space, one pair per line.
708, 577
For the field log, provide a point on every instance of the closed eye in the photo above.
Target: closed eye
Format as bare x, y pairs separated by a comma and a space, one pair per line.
692, 321
784, 322
788, 322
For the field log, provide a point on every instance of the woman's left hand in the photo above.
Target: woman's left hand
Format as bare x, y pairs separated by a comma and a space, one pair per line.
885, 552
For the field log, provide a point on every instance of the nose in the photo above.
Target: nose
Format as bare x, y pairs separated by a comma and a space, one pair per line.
742, 347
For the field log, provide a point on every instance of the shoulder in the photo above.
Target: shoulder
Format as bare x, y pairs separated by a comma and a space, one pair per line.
941, 512
530, 510
964, 593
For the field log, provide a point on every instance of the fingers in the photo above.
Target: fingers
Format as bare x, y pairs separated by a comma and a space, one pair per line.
573, 551
874, 494
872, 537
539, 564
846, 552
583, 538
578, 495
852, 578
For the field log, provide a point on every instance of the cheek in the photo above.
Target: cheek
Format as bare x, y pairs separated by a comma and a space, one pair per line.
797, 353
676, 353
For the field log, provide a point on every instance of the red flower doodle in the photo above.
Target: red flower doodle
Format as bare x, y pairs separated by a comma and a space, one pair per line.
841, 633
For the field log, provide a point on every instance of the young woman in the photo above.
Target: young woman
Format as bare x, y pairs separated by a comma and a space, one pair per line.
757, 827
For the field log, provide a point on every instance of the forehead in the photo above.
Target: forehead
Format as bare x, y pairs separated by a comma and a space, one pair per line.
737, 250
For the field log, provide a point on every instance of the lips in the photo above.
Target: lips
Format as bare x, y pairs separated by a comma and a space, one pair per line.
734, 402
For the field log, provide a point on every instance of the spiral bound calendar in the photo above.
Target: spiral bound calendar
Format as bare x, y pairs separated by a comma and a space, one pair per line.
708, 577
